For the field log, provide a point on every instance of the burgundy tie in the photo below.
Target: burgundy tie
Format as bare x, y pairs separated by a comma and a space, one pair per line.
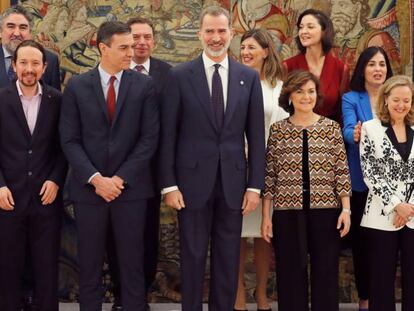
139, 68
111, 98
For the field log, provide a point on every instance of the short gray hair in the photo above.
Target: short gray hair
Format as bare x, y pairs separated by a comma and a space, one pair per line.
16, 9
214, 10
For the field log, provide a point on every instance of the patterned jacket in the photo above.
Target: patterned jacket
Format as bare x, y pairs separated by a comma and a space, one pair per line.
387, 175
328, 166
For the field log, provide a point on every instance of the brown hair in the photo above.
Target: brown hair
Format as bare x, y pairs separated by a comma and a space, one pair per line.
272, 68
382, 110
140, 20
295, 80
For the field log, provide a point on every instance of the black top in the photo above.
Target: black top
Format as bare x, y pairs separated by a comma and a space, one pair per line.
305, 171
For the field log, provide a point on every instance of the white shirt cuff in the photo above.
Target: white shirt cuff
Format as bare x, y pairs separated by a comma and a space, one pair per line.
90, 178
168, 189
254, 190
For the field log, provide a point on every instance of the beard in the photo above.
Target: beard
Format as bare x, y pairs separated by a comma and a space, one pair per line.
214, 53
11, 46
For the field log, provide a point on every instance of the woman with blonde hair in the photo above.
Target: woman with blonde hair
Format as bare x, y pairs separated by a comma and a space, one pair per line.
257, 51
387, 161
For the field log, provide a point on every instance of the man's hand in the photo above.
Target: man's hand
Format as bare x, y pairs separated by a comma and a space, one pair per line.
48, 192
119, 182
106, 187
174, 199
251, 200
6, 199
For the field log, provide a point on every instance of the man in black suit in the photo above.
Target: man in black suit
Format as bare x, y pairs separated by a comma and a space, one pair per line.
32, 173
209, 106
109, 130
144, 39
15, 27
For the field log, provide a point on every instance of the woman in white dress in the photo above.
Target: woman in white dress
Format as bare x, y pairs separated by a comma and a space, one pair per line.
257, 51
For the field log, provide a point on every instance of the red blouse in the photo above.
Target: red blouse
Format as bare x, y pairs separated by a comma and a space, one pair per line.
334, 81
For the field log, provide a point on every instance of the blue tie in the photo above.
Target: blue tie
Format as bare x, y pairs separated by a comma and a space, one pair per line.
217, 98
10, 72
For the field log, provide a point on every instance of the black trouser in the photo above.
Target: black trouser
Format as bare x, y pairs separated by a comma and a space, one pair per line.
41, 232
151, 243
298, 233
358, 243
128, 221
383, 249
218, 224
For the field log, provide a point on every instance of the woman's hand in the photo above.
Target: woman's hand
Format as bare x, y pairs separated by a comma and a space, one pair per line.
344, 221
266, 229
357, 132
404, 213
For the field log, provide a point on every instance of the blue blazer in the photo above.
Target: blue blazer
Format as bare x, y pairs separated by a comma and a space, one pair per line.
192, 150
355, 107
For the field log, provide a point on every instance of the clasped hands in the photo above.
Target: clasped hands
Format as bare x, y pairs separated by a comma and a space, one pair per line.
48, 194
108, 188
175, 200
404, 213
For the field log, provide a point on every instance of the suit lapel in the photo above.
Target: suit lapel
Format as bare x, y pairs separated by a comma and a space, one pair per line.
18, 110
97, 87
199, 82
235, 80
122, 93
42, 115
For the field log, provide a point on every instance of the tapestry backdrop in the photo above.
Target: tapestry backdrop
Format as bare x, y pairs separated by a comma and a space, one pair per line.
68, 27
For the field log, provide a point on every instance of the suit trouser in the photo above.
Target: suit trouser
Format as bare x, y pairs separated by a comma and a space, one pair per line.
42, 233
358, 242
383, 249
151, 243
127, 220
298, 233
220, 225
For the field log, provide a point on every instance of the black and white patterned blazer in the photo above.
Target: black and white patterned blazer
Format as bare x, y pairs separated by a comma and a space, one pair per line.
386, 173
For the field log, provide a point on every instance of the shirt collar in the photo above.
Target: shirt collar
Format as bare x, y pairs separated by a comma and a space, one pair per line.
19, 89
5, 52
145, 64
210, 63
106, 76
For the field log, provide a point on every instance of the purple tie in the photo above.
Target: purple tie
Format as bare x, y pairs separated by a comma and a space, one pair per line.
139, 68
217, 98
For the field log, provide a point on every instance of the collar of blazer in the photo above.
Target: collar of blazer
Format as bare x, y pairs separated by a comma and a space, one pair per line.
43, 110
393, 138
124, 86
236, 81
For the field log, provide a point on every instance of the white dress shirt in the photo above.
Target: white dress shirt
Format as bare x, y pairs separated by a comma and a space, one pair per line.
224, 75
145, 64
105, 77
31, 105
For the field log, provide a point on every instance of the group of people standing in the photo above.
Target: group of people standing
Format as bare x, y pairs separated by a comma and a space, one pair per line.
213, 136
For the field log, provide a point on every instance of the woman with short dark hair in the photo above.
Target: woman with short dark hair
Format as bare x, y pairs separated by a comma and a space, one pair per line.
306, 183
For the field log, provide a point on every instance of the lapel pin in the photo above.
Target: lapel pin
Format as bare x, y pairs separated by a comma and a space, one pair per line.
241, 82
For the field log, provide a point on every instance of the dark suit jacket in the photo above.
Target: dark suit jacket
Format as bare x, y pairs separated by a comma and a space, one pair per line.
159, 73
125, 148
26, 160
50, 77
192, 149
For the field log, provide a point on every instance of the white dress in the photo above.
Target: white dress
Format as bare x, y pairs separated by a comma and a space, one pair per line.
272, 114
